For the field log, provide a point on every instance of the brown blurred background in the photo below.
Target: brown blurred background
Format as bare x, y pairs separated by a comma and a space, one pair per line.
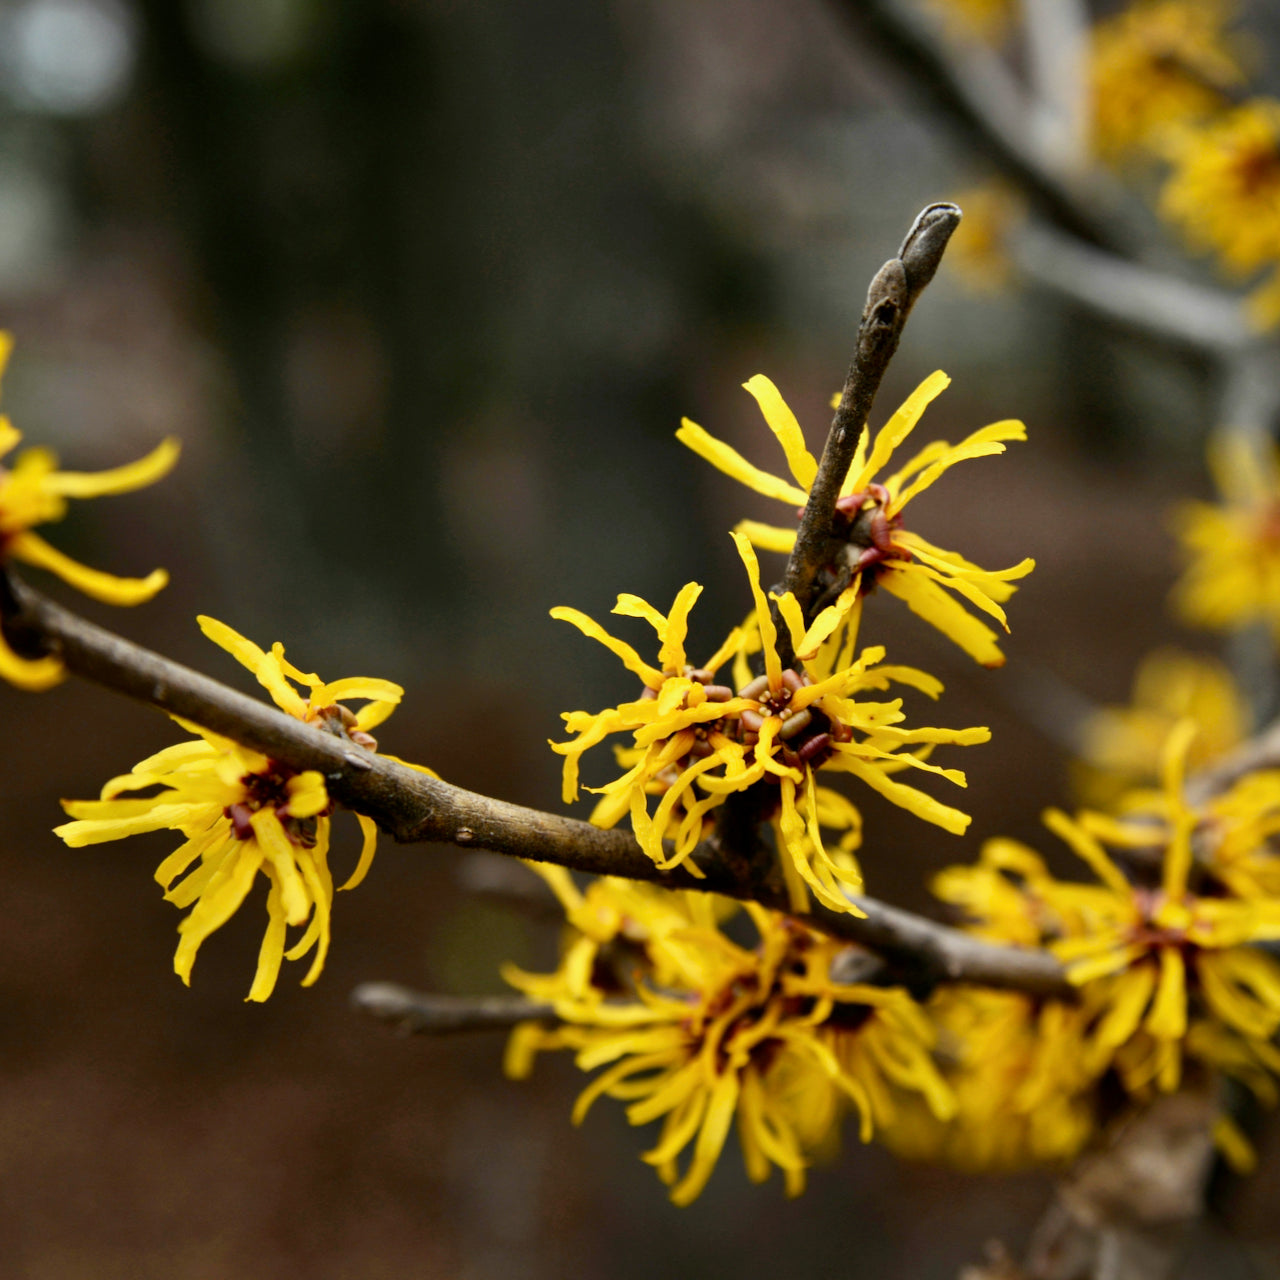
425, 289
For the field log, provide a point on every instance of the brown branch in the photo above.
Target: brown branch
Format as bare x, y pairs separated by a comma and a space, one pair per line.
893, 292
1124, 1211
413, 807
420, 1013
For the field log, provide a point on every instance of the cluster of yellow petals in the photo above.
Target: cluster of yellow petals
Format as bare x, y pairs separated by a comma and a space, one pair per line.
698, 1031
1224, 193
1156, 67
694, 743
1166, 964
1121, 745
1232, 549
33, 491
242, 814
1023, 1090
934, 583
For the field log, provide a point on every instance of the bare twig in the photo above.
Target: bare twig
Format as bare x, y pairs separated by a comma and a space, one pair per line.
420, 1013
890, 298
414, 807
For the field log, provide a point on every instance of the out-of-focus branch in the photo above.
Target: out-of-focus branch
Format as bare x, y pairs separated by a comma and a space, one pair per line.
1162, 305
971, 89
1123, 1212
1057, 42
893, 292
1260, 752
413, 807
419, 1013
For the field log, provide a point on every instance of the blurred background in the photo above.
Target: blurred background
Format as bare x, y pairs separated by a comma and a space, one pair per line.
425, 289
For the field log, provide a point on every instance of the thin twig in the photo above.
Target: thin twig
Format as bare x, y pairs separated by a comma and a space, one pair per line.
413, 807
890, 298
420, 1013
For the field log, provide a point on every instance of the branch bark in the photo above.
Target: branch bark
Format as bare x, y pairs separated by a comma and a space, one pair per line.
412, 807
893, 292
420, 1013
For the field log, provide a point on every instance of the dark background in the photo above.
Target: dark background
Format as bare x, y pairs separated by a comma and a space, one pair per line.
425, 289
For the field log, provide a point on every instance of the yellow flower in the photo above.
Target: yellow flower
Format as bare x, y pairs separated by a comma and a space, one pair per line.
1122, 745
1148, 958
1158, 65
1224, 189
1017, 1069
712, 1031
877, 550
1155, 952
243, 813
696, 743
1232, 551
33, 491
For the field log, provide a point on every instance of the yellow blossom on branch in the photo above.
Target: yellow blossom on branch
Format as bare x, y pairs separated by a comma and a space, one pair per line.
1232, 550
696, 743
33, 491
243, 813
1154, 951
1224, 189
704, 1031
876, 549
1018, 1070
1156, 66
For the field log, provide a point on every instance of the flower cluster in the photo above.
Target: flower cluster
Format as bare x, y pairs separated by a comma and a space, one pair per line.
696, 743
243, 813
1156, 68
1232, 550
33, 491
1163, 943
698, 1030
876, 550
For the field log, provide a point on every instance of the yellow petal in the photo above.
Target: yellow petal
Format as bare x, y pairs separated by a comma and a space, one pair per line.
782, 422
32, 674
630, 658
732, 463
927, 600
917, 802
271, 953
369, 830
767, 537
711, 1138
672, 655
768, 632
266, 667
134, 475
106, 587
1168, 1017
896, 430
